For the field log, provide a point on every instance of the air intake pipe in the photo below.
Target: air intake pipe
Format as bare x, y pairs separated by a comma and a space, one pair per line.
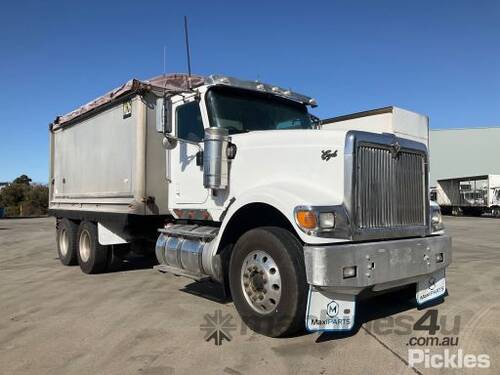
215, 158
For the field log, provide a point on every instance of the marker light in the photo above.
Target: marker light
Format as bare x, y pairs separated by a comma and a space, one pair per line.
348, 272
312, 102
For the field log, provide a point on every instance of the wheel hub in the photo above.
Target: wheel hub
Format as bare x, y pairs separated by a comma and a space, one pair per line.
261, 281
63, 242
84, 246
257, 282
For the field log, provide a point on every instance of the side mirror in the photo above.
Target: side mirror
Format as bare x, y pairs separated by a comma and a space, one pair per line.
169, 143
164, 115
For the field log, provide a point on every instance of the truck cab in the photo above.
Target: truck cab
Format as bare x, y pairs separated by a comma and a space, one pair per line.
294, 216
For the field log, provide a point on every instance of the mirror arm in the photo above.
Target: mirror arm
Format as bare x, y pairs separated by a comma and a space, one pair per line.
182, 140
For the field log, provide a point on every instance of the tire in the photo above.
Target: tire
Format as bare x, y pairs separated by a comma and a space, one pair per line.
495, 212
92, 256
66, 238
281, 310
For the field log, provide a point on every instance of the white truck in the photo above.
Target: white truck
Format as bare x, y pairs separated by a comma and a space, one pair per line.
468, 195
234, 181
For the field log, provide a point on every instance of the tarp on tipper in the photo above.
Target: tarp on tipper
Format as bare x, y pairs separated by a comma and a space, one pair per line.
169, 84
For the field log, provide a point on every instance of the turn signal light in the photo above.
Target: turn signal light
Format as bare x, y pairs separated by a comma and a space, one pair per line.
306, 219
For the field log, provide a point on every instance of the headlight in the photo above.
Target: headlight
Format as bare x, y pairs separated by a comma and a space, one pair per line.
326, 220
313, 220
436, 218
323, 221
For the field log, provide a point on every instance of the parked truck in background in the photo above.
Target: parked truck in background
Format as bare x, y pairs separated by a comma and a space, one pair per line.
234, 181
471, 195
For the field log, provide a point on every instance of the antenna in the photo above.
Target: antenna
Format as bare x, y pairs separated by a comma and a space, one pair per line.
164, 61
187, 46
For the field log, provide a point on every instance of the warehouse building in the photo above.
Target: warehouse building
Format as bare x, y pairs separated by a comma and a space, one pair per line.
464, 152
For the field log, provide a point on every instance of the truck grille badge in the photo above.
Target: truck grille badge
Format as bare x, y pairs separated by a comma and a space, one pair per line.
395, 149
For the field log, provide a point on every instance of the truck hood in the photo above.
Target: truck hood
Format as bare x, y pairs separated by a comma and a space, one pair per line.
307, 165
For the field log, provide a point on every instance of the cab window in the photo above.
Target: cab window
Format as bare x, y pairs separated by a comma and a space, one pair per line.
189, 123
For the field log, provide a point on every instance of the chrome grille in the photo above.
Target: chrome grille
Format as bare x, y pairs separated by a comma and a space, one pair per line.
390, 188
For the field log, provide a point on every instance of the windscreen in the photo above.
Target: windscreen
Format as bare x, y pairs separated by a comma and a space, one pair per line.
241, 111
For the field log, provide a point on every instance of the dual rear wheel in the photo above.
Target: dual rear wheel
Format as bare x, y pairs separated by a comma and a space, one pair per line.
67, 231
92, 256
79, 244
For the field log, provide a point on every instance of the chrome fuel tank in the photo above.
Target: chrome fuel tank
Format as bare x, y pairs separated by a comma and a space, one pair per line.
182, 246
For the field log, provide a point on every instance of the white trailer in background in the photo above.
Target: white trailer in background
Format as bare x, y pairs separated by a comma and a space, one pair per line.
471, 195
391, 120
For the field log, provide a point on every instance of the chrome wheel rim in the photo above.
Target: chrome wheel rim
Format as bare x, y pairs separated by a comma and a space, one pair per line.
63, 242
84, 246
261, 281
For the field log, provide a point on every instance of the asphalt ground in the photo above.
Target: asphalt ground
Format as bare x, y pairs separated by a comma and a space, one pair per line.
57, 320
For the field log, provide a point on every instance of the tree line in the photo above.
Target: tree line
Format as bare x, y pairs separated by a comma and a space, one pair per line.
24, 198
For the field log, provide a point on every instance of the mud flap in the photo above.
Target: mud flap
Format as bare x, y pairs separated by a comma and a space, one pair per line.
329, 311
431, 287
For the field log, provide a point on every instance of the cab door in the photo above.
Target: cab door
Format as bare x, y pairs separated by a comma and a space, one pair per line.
187, 177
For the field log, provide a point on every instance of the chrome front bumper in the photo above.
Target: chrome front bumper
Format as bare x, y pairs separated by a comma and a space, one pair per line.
379, 265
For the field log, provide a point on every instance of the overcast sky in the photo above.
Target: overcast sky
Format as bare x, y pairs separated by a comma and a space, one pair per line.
440, 58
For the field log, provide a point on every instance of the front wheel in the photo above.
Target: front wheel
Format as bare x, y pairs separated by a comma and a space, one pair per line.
268, 281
